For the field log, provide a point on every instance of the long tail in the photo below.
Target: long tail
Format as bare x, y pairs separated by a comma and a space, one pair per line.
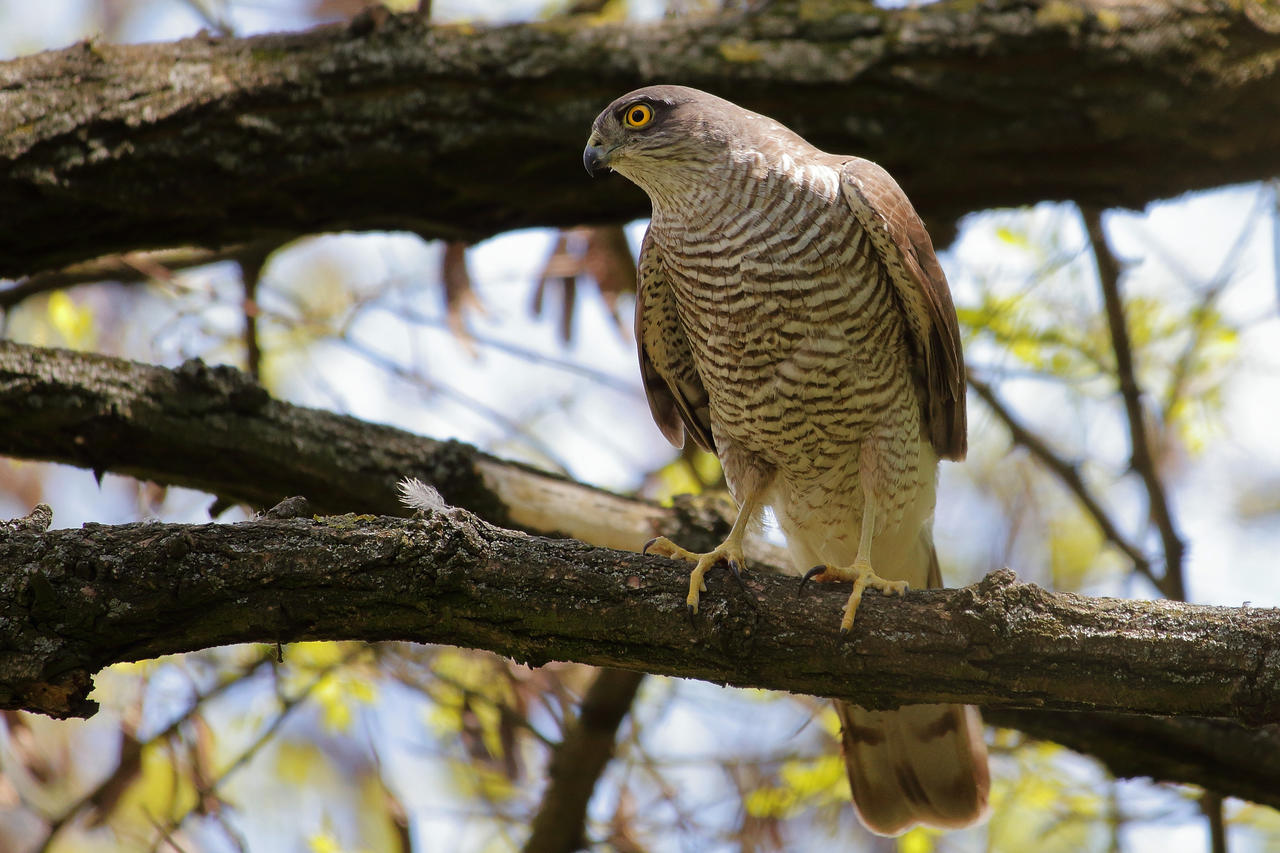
920, 763
917, 764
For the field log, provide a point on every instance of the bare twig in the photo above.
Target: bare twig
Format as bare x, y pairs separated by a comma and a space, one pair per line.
288, 704
578, 762
409, 314
1211, 805
89, 797
250, 275
1067, 473
1171, 583
126, 268
434, 386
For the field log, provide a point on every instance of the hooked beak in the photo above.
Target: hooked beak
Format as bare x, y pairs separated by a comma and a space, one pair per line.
595, 159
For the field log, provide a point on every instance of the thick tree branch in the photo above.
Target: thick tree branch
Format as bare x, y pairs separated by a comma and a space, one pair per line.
215, 429
102, 407
381, 124
73, 601
1218, 755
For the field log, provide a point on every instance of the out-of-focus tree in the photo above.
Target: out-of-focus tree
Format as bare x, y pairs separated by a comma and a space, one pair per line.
1122, 369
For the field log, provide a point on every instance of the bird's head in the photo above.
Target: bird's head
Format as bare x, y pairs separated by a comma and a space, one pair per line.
662, 135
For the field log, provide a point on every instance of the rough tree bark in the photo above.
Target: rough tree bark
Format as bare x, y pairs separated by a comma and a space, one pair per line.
53, 400
461, 131
73, 601
217, 430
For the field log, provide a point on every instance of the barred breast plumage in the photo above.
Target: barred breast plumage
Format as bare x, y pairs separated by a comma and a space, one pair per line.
794, 331
792, 317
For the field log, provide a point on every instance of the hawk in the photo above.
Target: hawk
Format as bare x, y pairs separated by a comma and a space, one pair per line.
793, 319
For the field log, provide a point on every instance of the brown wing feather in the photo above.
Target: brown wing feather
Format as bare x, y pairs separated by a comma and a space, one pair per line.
907, 253
672, 385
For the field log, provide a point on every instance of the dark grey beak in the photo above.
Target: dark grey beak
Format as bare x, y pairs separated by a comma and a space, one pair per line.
596, 160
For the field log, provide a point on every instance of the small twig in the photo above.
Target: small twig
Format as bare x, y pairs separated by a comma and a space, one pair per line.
125, 268
607, 380
1171, 584
217, 21
551, 458
1211, 805
250, 275
578, 761
288, 704
57, 823
1212, 291
1067, 473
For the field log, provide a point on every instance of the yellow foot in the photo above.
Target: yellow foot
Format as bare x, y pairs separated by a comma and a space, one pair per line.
863, 576
728, 551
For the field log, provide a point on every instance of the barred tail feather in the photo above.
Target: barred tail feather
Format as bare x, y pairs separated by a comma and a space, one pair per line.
918, 764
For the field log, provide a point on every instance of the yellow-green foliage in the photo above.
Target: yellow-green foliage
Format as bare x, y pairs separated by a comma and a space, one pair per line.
470, 693
804, 783
737, 50
72, 321
340, 688
687, 477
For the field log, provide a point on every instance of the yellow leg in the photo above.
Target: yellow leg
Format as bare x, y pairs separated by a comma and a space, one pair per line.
860, 572
729, 550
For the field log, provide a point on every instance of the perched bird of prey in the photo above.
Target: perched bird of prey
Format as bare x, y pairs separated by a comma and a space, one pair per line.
793, 319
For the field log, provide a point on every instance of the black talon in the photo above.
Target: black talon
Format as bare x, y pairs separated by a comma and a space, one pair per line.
816, 570
844, 632
647, 545
689, 611
737, 575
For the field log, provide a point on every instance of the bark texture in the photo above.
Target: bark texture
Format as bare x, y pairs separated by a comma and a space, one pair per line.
94, 411
382, 123
1218, 755
84, 598
73, 601
217, 430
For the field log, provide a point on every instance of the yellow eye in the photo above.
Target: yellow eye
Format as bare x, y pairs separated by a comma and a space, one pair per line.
638, 116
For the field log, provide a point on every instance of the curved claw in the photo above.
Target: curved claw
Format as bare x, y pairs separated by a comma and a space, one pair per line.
690, 611
649, 544
737, 574
812, 573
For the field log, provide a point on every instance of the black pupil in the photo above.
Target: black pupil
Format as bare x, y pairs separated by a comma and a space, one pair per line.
637, 115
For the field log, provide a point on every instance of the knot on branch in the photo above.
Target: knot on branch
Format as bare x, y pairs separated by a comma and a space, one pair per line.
220, 385
60, 696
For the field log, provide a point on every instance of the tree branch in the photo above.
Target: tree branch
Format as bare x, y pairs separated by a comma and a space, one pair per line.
1218, 755
380, 124
1171, 583
129, 268
215, 429
102, 408
73, 601
79, 599
578, 762
1066, 472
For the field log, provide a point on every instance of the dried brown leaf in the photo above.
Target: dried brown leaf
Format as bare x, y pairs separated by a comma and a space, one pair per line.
459, 296
599, 252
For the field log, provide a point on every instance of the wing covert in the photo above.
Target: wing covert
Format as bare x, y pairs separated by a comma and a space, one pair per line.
677, 398
895, 229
